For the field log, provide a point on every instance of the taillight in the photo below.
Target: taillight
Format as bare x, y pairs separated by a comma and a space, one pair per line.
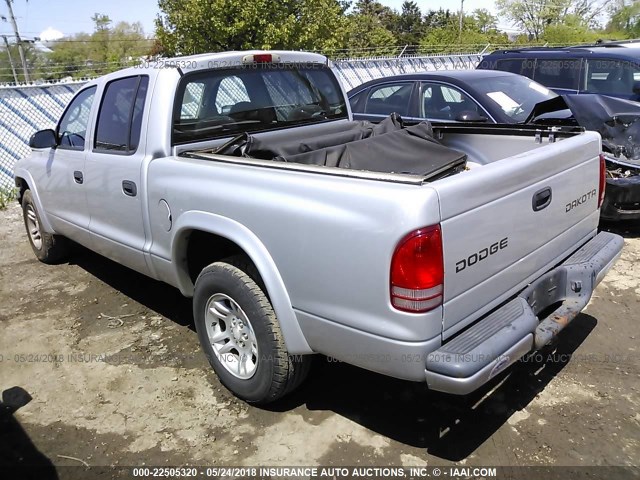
603, 180
417, 271
261, 58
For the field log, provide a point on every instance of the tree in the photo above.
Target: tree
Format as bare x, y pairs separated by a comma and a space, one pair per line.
198, 26
534, 16
485, 20
625, 18
410, 27
105, 50
447, 38
369, 29
438, 18
31, 57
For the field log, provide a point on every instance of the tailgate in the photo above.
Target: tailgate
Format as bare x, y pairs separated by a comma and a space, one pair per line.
498, 234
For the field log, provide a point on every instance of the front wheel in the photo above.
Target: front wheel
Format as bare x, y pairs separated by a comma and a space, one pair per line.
47, 247
240, 334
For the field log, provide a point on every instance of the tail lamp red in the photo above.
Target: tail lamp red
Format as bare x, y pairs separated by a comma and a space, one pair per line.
417, 271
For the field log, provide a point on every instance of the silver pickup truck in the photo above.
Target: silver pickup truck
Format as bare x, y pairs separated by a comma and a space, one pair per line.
438, 255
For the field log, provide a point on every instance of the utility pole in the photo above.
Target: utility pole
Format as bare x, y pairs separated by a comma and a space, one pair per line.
460, 29
13, 68
19, 42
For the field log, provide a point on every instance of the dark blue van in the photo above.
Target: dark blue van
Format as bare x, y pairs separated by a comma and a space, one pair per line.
607, 69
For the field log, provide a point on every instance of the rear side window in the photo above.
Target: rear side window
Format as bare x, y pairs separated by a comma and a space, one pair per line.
561, 73
389, 98
357, 101
611, 76
521, 66
120, 116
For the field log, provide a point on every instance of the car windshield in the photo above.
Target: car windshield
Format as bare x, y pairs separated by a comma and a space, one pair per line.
515, 95
224, 102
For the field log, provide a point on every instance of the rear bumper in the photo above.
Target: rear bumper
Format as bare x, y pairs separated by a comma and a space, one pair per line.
621, 199
472, 358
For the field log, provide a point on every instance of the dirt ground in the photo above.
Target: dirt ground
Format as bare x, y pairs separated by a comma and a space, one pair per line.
112, 364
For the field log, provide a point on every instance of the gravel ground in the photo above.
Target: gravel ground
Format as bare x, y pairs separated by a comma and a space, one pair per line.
112, 364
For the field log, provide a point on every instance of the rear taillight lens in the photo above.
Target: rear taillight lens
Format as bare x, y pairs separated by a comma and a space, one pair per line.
417, 271
603, 180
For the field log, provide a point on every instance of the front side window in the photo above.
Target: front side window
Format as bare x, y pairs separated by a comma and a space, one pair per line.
73, 125
120, 116
253, 98
444, 102
389, 98
611, 77
561, 73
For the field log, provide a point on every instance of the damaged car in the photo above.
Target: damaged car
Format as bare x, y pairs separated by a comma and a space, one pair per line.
617, 120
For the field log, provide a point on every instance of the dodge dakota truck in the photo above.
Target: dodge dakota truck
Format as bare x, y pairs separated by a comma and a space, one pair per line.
438, 254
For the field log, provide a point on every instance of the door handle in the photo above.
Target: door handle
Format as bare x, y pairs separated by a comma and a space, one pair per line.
77, 177
541, 199
129, 188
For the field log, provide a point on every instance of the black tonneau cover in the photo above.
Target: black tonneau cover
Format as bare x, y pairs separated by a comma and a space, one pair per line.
385, 147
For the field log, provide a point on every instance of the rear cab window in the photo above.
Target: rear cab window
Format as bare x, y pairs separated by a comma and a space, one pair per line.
224, 102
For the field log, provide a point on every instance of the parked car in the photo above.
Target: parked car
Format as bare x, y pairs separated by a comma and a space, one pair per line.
609, 69
487, 96
241, 179
456, 95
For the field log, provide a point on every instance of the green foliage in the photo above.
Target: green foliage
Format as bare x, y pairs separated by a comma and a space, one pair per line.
337, 27
369, 29
6, 75
410, 26
571, 31
7, 195
107, 49
625, 19
449, 38
485, 21
535, 17
197, 26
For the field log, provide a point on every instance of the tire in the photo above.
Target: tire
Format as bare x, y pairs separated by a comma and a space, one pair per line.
48, 248
247, 352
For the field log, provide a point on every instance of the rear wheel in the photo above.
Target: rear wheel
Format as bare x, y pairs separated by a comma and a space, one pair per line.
47, 247
240, 334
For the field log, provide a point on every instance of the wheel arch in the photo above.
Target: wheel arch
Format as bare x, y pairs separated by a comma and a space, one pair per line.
24, 181
229, 237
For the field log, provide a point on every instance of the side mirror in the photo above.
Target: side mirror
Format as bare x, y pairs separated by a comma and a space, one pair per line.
636, 88
43, 139
470, 116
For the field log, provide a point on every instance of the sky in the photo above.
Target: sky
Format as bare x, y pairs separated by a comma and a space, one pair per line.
35, 17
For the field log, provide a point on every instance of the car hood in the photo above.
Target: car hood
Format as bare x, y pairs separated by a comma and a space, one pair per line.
617, 120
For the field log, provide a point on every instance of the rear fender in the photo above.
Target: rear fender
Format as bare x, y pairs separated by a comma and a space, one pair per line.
256, 251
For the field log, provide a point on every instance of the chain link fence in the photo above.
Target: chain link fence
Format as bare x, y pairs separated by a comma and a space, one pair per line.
27, 109
23, 111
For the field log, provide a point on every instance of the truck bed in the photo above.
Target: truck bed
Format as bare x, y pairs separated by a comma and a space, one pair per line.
387, 147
